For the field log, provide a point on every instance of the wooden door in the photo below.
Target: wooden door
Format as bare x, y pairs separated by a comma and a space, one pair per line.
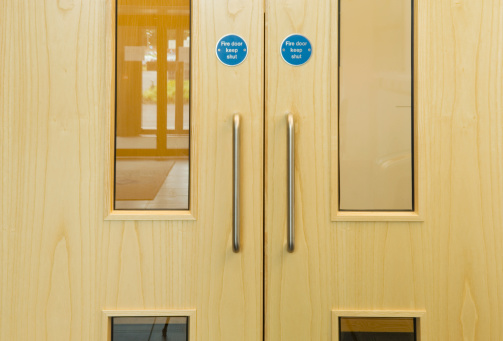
66, 255
441, 261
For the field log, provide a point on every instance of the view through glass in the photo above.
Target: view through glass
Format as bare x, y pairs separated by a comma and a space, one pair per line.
156, 328
152, 105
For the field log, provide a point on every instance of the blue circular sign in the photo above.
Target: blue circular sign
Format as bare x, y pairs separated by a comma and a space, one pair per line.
296, 49
231, 50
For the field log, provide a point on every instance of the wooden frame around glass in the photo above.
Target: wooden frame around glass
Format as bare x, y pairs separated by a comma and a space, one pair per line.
418, 155
110, 212
419, 315
106, 326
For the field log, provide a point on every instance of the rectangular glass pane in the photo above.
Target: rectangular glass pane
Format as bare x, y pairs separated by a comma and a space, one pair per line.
152, 105
375, 106
158, 328
377, 329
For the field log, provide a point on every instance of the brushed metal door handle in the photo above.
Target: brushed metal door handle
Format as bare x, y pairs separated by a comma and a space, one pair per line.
236, 146
290, 226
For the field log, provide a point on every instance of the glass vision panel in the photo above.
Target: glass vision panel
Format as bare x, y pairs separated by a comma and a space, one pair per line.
159, 328
152, 105
375, 105
377, 329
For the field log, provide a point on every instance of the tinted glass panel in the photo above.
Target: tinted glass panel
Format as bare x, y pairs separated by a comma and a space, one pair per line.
375, 105
377, 329
152, 104
158, 328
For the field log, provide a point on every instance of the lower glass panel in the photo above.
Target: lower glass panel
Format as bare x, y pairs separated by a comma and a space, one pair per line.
377, 329
159, 328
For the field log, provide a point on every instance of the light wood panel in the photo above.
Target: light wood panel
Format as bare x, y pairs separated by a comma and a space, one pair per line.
297, 285
450, 264
62, 264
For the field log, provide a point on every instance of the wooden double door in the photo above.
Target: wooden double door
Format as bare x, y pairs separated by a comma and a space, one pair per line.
67, 256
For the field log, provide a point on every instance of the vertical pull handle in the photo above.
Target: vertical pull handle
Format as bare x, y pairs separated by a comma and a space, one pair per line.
290, 225
235, 183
